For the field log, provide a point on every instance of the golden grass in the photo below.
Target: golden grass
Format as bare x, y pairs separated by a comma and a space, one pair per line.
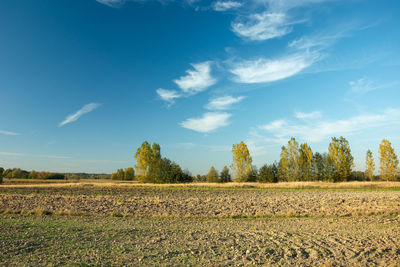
281, 185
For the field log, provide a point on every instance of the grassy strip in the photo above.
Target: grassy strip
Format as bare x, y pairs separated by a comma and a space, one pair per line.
250, 188
41, 212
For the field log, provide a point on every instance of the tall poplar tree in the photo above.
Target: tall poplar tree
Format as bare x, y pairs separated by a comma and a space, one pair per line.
241, 162
340, 154
143, 158
290, 161
388, 161
370, 165
305, 161
212, 175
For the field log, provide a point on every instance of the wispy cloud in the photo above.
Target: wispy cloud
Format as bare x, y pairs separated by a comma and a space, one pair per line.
223, 102
73, 117
318, 130
8, 133
264, 70
209, 122
363, 85
168, 95
274, 20
226, 5
264, 26
13, 154
196, 80
305, 116
112, 3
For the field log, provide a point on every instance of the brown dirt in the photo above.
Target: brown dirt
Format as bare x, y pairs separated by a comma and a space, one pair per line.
161, 202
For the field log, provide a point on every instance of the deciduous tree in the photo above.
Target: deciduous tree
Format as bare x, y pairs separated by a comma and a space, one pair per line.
241, 162
143, 158
129, 173
212, 175
340, 154
305, 161
388, 161
290, 161
370, 165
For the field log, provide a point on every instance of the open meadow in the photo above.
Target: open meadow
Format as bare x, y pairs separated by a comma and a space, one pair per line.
125, 223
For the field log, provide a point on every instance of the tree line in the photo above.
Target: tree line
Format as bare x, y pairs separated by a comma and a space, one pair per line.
297, 163
17, 173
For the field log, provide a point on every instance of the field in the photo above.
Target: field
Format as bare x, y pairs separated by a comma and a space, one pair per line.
199, 224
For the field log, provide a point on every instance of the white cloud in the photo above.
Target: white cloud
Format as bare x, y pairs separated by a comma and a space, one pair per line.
226, 5
112, 3
223, 103
264, 26
311, 115
272, 21
168, 95
268, 70
319, 130
8, 133
196, 80
73, 117
363, 85
208, 123
12, 154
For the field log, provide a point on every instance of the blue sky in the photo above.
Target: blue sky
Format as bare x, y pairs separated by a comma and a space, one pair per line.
84, 83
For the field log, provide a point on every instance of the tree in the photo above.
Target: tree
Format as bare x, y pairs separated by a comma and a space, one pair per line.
370, 165
340, 154
305, 162
268, 174
200, 178
388, 161
290, 161
7, 173
119, 175
18, 173
143, 158
317, 167
33, 175
212, 175
1, 174
129, 173
241, 162
252, 176
225, 176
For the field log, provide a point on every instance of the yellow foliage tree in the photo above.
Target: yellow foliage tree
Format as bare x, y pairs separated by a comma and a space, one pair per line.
290, 161
305, 161
340, 154
143, 159
388, 161
370, 165
212, 176
241, 161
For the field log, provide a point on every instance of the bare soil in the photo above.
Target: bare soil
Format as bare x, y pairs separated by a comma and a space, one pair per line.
162, 202
200, 225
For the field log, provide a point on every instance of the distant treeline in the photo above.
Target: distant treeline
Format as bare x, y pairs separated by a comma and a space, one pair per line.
17, 173
297, 163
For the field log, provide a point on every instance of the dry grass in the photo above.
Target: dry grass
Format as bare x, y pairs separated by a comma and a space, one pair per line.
234, 185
